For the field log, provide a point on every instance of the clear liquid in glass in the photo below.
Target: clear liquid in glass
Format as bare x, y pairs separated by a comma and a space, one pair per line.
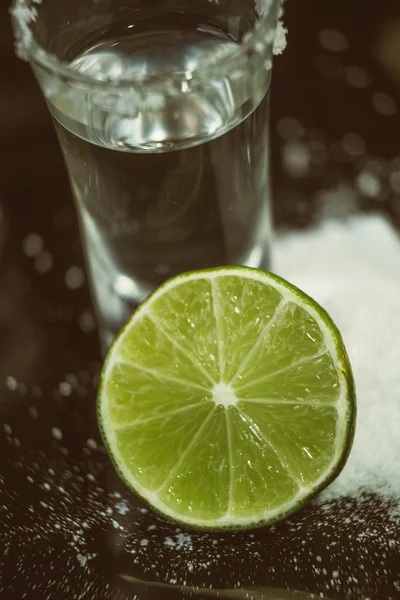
169, 186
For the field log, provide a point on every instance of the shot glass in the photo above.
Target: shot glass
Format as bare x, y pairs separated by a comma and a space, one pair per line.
161, 108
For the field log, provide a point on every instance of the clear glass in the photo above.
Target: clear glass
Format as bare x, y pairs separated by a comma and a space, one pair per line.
161, 108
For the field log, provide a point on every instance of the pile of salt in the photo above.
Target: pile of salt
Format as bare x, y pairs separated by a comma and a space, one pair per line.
352, 268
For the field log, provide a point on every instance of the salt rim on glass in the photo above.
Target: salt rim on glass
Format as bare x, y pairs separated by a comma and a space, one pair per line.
25, 12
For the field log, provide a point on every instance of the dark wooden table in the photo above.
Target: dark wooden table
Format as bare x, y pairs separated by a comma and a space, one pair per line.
68, 527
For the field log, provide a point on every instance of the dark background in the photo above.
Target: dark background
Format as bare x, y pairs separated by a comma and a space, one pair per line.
47, 333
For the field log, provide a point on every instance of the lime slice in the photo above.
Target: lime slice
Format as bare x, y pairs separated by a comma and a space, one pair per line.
227, 400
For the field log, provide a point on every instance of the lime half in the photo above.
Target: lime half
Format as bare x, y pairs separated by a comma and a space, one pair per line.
227, 400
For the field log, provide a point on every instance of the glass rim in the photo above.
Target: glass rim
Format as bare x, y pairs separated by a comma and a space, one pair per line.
24, 14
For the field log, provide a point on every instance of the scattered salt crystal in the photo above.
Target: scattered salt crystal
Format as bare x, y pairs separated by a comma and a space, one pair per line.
11, 383
296, 159
368, 184
43, 262
7, 429
65, 388
74, 278
181, 541
82, 559
162, 269
32, 244
47, 487
353, 144
71, 379
87, 322
91, 444
384, 104
33, 412
357, 77
122, 508
333, 40
57, 433
290, 128
352, 268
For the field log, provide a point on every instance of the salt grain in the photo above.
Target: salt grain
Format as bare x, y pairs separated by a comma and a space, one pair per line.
353, 144
32, 244
368, 184
87, 322
65, 388
74, 278
57, 433
357, 77
352, 268
11, 383
33, 412
122, 508
43, 262
384, 104
333, 40
296, 159
290, 128
71, 379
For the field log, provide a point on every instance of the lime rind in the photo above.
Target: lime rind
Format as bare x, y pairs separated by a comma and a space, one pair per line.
345, 405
